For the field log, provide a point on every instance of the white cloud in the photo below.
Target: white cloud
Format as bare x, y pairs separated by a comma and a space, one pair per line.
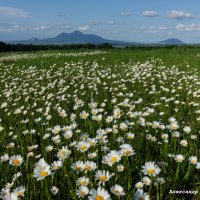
162, 28
98, 22
153, 29
8, 12
150, 13
174, 14
95, 22
126, 14
21, 28
83, 28
111, 22
188, 27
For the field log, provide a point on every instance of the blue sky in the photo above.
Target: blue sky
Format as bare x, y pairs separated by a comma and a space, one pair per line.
127, 20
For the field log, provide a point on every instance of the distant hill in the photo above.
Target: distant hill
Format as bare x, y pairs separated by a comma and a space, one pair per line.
75, 37
171, 41
78, 37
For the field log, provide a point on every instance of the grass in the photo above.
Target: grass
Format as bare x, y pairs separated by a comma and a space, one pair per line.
151, 97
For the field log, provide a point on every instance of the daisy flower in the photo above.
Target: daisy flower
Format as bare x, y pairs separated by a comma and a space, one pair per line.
19, 191
4, 158
117, 190
198, 165
179, 158
11, 196
141, 195
173, 126
130, 136
82, 191
78, 166
82, 181
16, 160
150, 169
127, 150
123, 126
184, 143
63, 153
139, 185
120, 168
92, 155
146, 180
54, 190
187, 129
102, 176
57, 165
84, 115
83, 146
90, 166
42, 170
99, 194
111, 158
56, 129
193, 160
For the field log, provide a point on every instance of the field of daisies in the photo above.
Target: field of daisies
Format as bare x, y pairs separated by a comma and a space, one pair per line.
98, 125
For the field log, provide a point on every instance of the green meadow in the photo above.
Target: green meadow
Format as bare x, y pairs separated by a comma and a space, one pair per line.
100, 124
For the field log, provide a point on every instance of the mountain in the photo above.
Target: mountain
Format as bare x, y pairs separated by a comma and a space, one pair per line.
75, 37
78, 37
171, 41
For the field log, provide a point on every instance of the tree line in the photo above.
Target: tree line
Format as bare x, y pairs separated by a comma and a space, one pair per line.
4, 47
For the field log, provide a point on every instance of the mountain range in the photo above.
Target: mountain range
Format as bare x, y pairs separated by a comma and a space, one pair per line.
78, 37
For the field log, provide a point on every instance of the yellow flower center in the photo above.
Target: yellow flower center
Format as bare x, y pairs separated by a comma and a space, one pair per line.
151, 171
62, 152
88, 167
179, 159
84, 115
127, 152
99, 197
117, 191
19, 194
78, 168
16, 162
193, 161
141, 198
44, 173
57, 131
114, 159
103, 178
82, 192
57, 167
83, 182
91, 143
84, 147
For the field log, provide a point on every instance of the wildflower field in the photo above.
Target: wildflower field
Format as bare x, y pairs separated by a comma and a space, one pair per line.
100, 125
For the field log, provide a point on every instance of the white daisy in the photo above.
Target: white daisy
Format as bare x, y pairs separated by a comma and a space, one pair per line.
19, 191
141, 195
16, 160
117, 190
193, 160
102, 176
111, 158
99, 194
179, 158
42, 170
150, 169
82, 181
82, 191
